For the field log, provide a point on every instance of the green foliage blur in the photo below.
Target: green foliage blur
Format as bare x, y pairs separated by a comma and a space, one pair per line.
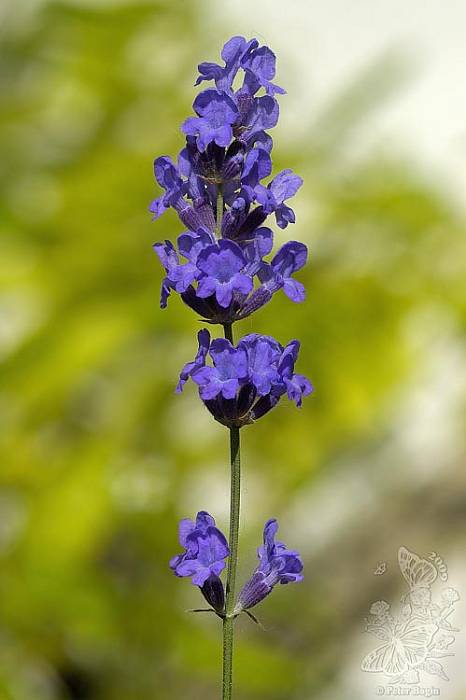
98, 457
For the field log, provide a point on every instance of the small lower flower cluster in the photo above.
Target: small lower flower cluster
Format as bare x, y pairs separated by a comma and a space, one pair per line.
206, 550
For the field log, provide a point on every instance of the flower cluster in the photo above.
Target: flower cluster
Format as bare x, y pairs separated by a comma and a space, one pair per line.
204, 559
247, 380
219, 265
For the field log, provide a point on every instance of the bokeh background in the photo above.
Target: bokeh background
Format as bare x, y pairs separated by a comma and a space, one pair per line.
98, 457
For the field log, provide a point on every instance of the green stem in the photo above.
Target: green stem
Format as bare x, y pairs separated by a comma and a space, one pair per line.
235, 497
219, 211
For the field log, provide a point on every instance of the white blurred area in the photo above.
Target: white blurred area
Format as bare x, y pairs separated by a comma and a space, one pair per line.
326, 46
323, 46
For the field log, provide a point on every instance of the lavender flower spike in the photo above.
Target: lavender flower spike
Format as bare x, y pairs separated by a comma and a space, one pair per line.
277, 564
223, 190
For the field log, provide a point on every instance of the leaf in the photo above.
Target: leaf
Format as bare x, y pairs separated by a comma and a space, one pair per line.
379, 632
435, 669
445, 625
439, 654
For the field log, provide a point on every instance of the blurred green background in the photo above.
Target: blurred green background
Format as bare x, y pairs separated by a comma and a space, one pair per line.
98, 457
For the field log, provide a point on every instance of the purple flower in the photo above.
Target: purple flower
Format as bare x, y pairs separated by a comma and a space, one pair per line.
263, 354
190, 243
232, 53
229, 370
255, 248
216, 114
168, 177
297, 385
259, 65
222, 264
277, 564
190, 166
291, 257
206, 549
257, 165
169, 259
245, 382
283, 186
257, 62
261, 114
203, 338
179, 276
